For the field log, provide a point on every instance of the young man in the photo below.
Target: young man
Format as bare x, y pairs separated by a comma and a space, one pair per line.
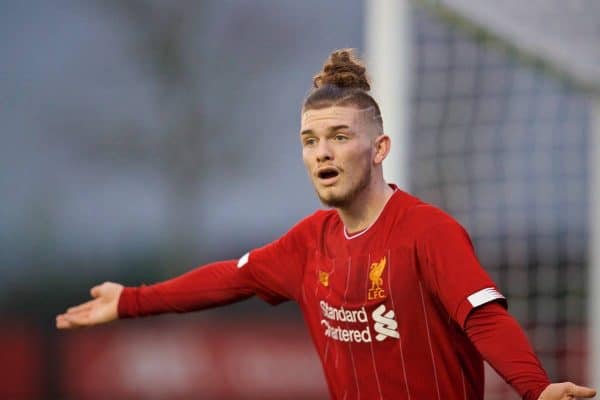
394, 297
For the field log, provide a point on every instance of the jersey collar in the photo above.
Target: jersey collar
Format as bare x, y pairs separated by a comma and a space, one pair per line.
349, 236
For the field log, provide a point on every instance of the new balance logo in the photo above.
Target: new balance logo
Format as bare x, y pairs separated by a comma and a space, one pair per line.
385, 324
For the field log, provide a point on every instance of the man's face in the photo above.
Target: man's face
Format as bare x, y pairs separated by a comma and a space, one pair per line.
338, 150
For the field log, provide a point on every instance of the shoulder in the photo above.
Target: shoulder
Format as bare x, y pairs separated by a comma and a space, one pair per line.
423, 217
320, 217
311, 225
438, 235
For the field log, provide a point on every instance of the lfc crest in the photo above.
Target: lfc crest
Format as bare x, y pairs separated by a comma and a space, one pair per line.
376, 290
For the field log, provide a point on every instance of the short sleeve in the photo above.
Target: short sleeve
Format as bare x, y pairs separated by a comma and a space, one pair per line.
451, 271
276, 270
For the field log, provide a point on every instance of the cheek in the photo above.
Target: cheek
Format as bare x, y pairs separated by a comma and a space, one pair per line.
358, 158
306, 158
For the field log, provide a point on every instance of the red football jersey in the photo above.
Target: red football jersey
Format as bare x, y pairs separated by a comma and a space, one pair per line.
386, 306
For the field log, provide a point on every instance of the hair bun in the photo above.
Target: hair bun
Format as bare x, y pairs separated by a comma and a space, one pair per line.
343, 69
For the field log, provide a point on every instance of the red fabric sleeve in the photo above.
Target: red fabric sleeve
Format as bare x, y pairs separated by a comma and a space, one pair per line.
273, 272
451, 271
277, 269
204, 287
502, 343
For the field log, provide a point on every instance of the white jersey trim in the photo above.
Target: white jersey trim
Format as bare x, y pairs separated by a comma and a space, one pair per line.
243, 260
484, 296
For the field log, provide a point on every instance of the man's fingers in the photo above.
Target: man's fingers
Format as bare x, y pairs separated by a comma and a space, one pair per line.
65, 322
95, 291
62, 323
78, 320
84, 306
79, 313
582, 391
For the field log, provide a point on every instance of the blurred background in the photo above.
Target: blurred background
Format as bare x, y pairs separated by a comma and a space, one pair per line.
141, 138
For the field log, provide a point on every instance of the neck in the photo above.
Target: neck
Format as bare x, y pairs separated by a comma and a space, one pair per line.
366, 207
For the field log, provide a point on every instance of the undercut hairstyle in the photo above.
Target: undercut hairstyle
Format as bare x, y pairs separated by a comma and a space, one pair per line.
343, 82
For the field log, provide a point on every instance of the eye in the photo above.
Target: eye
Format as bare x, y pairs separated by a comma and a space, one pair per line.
309, 141
340, 138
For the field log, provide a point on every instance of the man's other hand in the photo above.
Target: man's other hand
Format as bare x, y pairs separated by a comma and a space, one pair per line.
566, 391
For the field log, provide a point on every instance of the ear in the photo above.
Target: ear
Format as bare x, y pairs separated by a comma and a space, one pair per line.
382, 148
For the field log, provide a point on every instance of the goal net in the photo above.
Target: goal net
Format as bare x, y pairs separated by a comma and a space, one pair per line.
499, 137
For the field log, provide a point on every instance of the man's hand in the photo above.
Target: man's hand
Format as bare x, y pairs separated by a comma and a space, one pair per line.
566, 391
100, 310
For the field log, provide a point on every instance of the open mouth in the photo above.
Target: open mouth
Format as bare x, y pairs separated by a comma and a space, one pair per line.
328, 173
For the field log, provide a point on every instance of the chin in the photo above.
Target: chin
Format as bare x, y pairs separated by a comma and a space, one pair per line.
338, 197
334, 202
337, 200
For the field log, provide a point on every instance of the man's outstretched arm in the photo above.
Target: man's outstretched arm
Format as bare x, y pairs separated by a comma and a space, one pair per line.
273, 272
204, 287
501, 342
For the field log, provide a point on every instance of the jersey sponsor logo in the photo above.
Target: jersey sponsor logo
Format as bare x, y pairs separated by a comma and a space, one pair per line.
376, 290
385, 323
341, 314
333, 314
346, 335
324, 278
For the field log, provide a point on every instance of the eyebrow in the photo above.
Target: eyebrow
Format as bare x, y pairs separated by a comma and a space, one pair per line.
331, 129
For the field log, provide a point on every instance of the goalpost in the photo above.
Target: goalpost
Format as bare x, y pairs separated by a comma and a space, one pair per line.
594, 276
387, 31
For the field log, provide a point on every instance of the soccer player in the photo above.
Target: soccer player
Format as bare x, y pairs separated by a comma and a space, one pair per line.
396, 302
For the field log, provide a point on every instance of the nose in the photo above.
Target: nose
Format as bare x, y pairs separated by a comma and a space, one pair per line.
323, 151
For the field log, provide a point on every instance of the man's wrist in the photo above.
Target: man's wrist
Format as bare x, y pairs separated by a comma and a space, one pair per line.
127, 303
